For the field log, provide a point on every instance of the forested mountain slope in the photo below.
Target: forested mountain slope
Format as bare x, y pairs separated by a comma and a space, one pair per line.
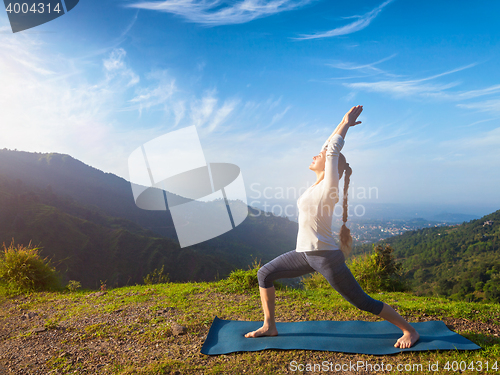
462, 261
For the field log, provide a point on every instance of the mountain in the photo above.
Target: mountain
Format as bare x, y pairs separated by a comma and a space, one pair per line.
461, 261
87, 222
67, 176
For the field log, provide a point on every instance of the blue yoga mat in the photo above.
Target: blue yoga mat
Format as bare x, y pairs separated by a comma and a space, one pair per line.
378, 338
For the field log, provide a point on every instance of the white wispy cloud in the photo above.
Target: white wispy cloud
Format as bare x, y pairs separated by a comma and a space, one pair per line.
480, 122
481, 92
362, 22
32, 66
129, 26
492, 106
366, 70
202, 109
115, 65
207, 115
363, 67
273, 103
403, 88
179, 109
158, 94
278, 116
222, 114
218, 12
422, 87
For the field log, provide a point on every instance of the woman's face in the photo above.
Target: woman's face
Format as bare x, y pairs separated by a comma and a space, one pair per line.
318, 163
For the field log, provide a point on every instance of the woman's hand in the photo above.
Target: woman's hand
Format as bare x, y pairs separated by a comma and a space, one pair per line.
351, 116
348, 121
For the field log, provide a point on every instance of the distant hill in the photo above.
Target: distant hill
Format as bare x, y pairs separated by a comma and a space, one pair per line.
88, 222
461, 261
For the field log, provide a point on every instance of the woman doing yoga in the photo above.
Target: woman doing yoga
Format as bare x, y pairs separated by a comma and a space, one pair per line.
316, 249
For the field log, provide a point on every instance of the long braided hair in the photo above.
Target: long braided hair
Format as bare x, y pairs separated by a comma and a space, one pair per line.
345, 233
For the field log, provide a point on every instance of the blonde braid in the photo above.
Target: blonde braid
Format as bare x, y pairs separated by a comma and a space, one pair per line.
345, 233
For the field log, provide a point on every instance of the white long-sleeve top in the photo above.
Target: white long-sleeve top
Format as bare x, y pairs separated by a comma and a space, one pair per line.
316, 204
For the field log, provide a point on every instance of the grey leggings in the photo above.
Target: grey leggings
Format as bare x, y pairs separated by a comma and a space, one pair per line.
329, 263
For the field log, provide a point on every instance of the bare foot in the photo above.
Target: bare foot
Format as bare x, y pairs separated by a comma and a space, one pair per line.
407, 340
263, 331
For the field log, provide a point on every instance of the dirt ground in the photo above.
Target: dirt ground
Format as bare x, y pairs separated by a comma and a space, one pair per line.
28, 346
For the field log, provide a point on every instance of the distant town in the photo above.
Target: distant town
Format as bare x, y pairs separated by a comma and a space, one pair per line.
370, 231
375, 222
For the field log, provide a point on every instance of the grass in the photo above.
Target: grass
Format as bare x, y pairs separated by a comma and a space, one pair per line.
194, 305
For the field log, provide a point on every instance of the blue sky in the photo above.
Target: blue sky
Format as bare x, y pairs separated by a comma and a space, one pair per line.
266, 82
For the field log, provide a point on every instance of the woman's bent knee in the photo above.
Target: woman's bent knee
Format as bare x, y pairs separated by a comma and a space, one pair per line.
262, 277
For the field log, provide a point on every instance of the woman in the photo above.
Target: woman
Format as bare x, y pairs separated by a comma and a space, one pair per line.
316, 249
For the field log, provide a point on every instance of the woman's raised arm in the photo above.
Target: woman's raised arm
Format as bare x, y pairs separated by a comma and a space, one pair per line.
348, 121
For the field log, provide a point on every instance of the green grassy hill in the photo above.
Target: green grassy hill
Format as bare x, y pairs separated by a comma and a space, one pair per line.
130, 330
461, 261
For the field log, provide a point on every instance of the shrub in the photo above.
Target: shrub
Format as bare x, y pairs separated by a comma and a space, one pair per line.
73, 285
364, 269
242, 281
379, 271
22, 267
315, 281
156, 277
